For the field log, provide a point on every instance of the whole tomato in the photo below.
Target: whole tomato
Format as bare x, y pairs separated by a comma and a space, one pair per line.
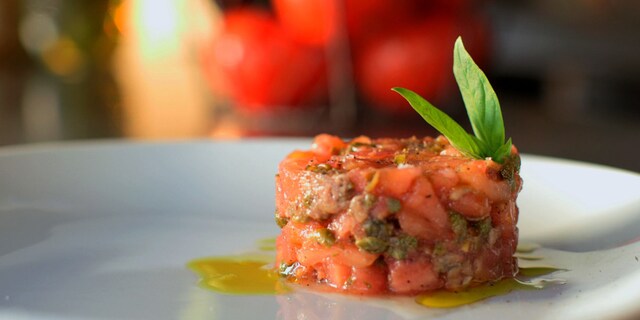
369, 18
309, 21
415, 56
256, 63
318, 21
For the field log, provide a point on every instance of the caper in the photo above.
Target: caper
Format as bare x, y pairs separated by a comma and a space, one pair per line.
325, 237
372, 244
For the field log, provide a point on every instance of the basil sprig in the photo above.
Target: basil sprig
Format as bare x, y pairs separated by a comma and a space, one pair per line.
482, 106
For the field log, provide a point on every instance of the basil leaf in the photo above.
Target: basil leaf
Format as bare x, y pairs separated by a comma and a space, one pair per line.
457, 136
480, 100
502, 152
482, 107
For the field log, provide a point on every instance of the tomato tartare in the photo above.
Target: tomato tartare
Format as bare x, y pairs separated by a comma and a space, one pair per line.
399, 216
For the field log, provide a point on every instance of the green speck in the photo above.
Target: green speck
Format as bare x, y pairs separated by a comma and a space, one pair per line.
321, 168
458, 224
438, 249
307, 200
524, 247
372, 244
400, 158
510, 168
355, 146
377, 228
484, 227
267, 244
281, 221
325, 237
369, 200
393, 205
300, 218
400, 246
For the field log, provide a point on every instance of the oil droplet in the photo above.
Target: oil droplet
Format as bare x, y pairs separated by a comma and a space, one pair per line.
447, 299
266, 244
241, 274
527, 256
254, 274
527, 247
536, 271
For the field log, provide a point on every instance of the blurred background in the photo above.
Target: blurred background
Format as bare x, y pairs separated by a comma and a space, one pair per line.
567, 72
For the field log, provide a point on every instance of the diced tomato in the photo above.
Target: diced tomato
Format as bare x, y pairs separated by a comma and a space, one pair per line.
505, 218
359, 178
337, 274
301, 233
412, 276
369, 280
300, 155
324, 146
311, 254
443, 179
361, 139
287, 179
286, 252
397, 182
423, 202
361, 280
474, 173
470, 203
416, 225
342, 226
349, 254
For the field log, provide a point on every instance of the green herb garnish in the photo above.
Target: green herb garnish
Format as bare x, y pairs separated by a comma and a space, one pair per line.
482, 107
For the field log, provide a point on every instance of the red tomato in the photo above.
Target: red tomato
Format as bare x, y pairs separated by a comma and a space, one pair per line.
369, 18
261, 68
310, 21
415, 56
318, 21
453, 6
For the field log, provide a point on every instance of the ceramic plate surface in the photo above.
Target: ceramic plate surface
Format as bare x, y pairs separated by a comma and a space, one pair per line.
104, 231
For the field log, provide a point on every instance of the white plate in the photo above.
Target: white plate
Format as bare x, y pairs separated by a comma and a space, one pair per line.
104, 231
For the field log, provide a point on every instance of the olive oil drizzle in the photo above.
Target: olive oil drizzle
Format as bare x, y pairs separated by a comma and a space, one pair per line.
532, 268
242, 274
449, 299
266, 244
254, 274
